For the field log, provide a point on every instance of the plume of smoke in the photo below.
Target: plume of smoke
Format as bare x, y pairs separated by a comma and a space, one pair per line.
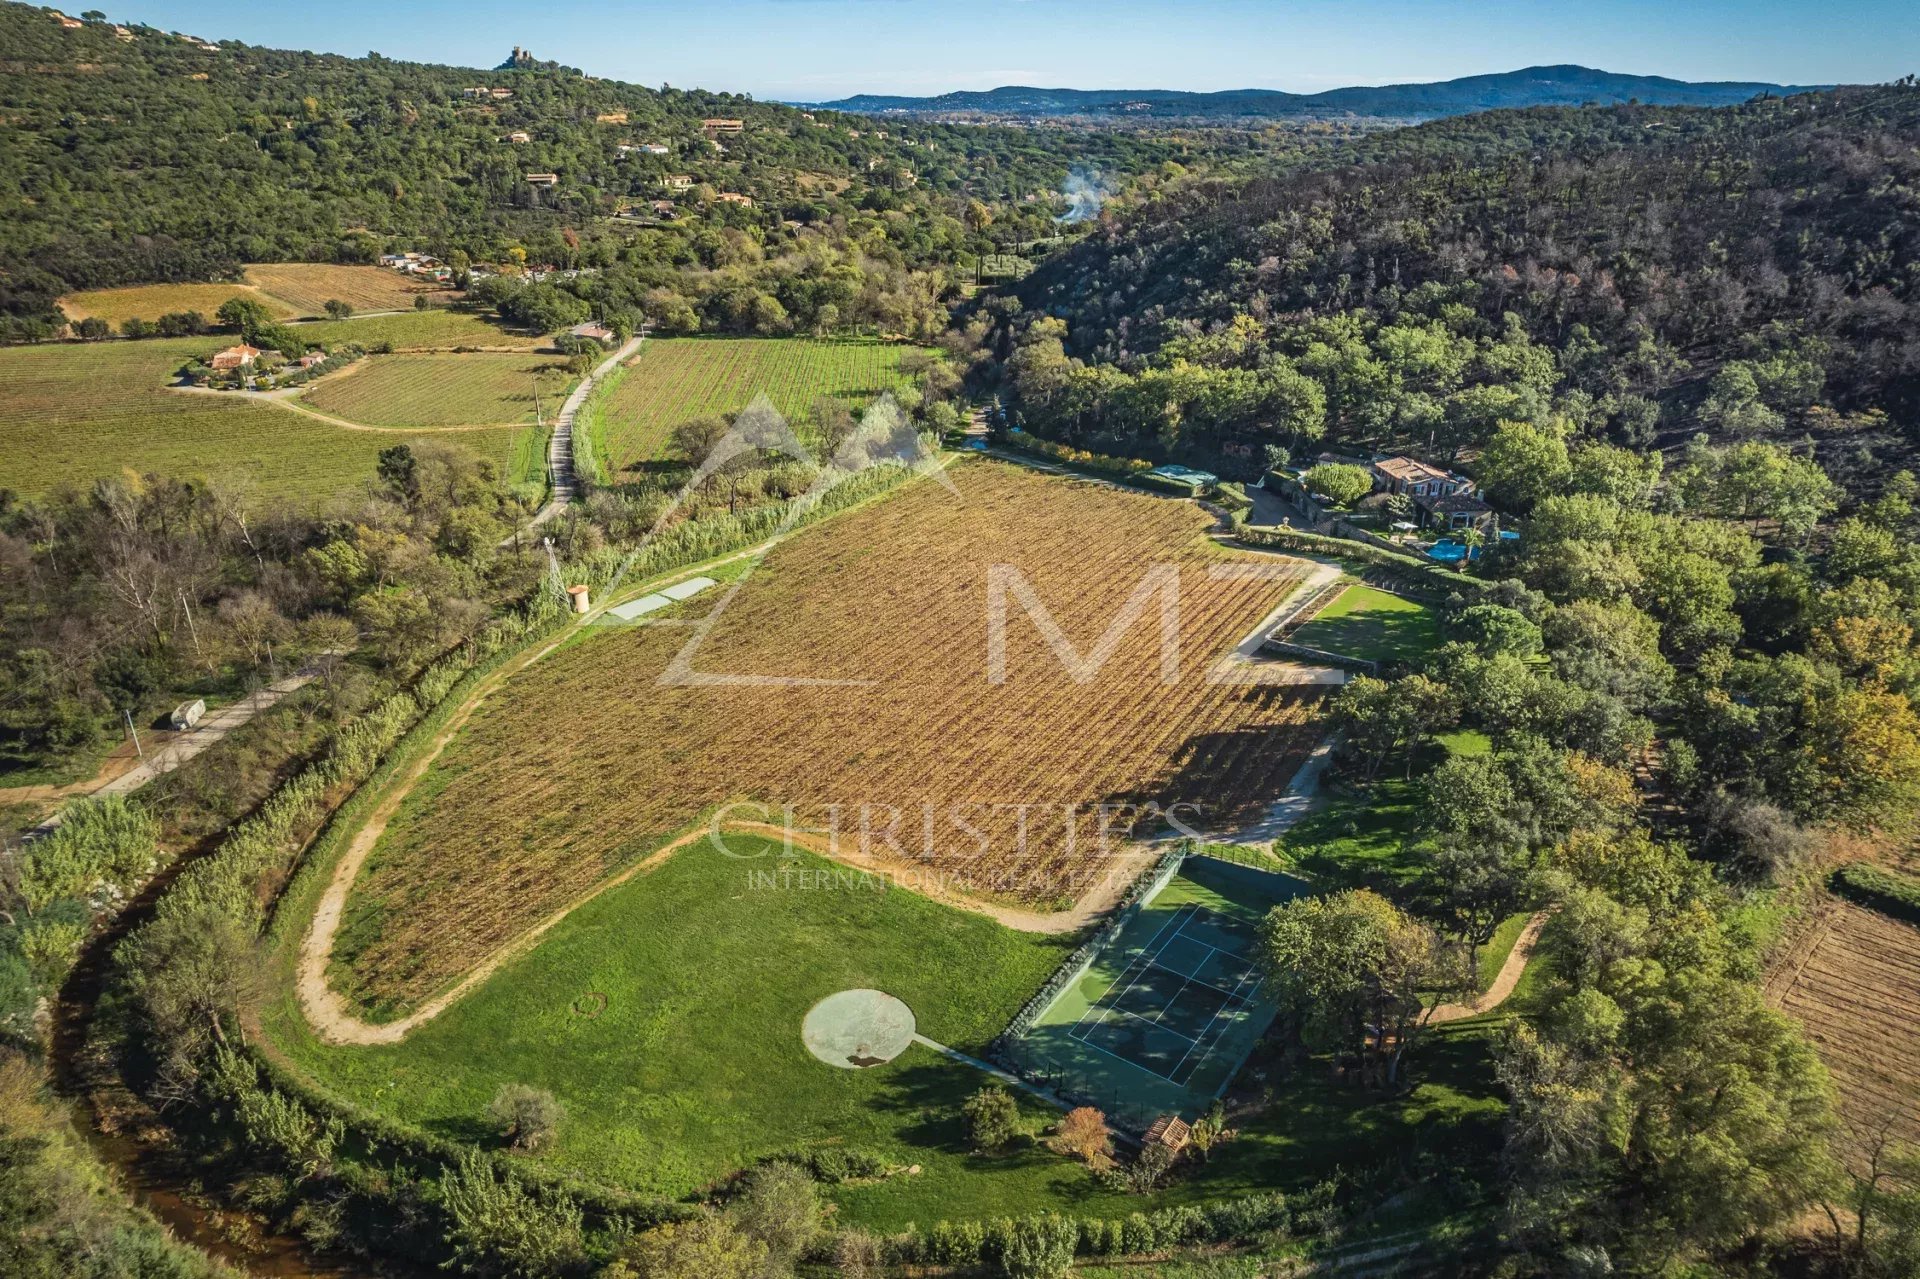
1085, 191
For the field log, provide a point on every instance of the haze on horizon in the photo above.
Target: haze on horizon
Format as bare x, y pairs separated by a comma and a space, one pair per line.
818, 50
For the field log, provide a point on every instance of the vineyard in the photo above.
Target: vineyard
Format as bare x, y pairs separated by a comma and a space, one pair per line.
924, 762
71, 413
308, 286
1856, 990
477, 389
674, 380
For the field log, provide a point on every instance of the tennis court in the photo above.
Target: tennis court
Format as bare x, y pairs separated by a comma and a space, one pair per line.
1170, 1008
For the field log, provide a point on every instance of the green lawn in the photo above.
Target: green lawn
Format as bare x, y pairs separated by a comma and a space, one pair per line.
1373, 624
695, 1066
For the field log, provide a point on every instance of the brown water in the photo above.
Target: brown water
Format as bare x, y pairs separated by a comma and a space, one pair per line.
157, 1178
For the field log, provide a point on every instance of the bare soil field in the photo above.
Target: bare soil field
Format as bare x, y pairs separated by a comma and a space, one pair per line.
309, 286
151, 301
1854, 983
884, 722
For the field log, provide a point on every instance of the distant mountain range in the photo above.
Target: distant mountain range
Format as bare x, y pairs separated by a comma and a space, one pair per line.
1530, 87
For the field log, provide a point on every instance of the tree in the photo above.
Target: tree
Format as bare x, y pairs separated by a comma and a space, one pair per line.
1382, 719
1493, 629
1341, 483
338, 310
1523, 463
992, 1118
528, 1117
1354, 967
399, 470
500, 1227
1082, 1132
191, 972
1734, 405
1659, 1109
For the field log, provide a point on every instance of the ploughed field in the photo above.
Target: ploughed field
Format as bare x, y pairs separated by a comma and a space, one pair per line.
1856, 989
586, 759
675, 380
437, 389
71, 413
309, 286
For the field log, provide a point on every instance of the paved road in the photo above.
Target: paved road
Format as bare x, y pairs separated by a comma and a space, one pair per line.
215, 726
560, 447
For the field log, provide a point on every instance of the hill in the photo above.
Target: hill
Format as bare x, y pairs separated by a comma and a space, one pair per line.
131, 155
1529, 87
1637, 273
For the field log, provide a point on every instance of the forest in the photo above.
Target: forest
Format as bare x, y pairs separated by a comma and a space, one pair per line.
1634, 275
152, 157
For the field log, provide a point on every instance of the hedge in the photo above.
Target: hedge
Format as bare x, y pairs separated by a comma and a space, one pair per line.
1241, 1219
1408, 567
1125, 467
1886, 891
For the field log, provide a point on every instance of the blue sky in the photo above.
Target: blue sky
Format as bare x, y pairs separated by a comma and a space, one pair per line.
822, 49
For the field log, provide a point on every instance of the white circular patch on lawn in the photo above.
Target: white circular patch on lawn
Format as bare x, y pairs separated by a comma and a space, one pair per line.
858, 1028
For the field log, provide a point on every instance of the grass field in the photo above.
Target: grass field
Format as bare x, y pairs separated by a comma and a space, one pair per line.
482, 388
694, 1067
565, 772
674, 380
151, 301
308, 286
70, 413
1372, 624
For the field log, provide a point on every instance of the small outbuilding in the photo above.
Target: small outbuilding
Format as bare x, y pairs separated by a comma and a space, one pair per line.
1170, 1131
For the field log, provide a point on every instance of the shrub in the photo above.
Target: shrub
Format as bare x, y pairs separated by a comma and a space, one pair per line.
1039, 1247
835, 1164
106, 842
528, 1117
779, 1206
992, 1118
1126, 466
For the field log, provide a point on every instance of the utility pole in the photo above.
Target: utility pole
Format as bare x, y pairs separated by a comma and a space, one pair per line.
540, 419
134, 733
